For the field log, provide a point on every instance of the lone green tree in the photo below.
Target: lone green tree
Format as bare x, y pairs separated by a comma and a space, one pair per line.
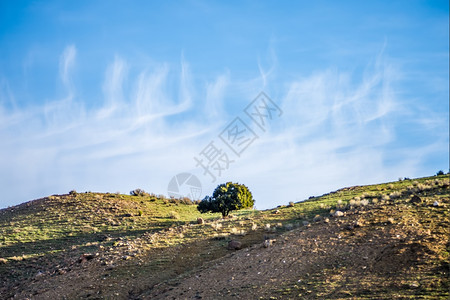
227, 197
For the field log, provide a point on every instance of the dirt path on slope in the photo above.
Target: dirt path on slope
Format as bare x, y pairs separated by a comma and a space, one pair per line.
376, 253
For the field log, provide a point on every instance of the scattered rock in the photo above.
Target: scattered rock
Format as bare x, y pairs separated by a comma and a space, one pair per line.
415, 199
305, 223
358, 223
200, 221
338, 213
390, 221
234, 245
289, 226
268, 243
276, 212
349, 227
326, 220
85, 257
317, 218
435, 204
291, 204
61, 271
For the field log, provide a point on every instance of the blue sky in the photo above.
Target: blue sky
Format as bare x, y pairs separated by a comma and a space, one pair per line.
115, 95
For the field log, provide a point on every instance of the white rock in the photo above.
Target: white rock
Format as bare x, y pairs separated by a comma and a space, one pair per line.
436, 203
338, 213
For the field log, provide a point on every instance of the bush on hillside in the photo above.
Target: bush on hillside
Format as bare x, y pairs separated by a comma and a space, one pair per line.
139, 192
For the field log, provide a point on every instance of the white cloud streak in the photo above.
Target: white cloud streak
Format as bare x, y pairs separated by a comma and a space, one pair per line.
66, 64
335, 131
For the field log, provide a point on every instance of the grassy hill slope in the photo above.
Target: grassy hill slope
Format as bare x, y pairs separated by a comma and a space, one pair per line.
91, 245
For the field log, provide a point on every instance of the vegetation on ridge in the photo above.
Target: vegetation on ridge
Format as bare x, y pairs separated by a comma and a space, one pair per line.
91, 245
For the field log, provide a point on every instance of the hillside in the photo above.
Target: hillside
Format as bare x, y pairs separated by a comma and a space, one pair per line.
377, 241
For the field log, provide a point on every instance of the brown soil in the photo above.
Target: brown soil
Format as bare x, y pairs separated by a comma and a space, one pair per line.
327, 260
395, 249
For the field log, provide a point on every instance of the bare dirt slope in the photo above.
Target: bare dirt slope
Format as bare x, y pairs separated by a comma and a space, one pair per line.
387, 241
387, 251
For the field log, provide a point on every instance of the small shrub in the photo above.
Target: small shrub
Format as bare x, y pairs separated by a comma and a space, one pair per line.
140, 213
139, 192
374, 200
385, 198
72, 192
220, 237
421, 187
174, 201
440, 172
364, 202
390, 186
291, 204
174, 215
186, 200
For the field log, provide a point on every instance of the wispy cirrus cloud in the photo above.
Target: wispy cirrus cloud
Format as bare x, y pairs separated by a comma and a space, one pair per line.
66, 64
337, 129
115, 75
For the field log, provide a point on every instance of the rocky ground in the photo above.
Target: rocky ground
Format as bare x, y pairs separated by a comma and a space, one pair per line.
387, 251
385, 241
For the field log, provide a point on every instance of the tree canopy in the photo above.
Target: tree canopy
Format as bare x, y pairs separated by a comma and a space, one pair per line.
227, 197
